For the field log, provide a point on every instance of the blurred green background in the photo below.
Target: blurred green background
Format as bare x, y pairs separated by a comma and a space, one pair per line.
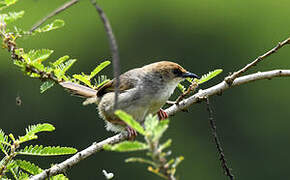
201, 35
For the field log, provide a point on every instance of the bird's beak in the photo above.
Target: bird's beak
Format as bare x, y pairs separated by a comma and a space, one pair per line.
190, 75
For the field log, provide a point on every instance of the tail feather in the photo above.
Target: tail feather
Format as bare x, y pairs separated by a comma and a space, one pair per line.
79, 90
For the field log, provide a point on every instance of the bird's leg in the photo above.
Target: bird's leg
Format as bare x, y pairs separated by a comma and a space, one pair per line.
162, 114
131, 133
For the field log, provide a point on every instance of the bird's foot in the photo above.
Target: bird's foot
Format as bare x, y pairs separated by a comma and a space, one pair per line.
131, 133
162, 114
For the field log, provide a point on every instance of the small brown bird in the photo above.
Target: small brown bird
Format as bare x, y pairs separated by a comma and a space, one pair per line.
142, 91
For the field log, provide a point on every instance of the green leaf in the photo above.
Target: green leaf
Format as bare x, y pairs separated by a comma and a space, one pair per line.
23, 176
160, 129
99, 68
6, 3
33, 129
12, 137
11, 164
37, 65
18, 174
141, 160
28, 166
46, 151
20, 32
128, 119
60, 61
150, 123
26, 58
67, 65
101, 80
5, 144
209, 76
30, 74
126, 146
171, 161
36, 57
177, 161
54, 25
27, 137
165, 145
11, 16
20, 64
19, 52
2, 136
181, 87
83, 79
39, 55
46, 85
59, 177
157, 172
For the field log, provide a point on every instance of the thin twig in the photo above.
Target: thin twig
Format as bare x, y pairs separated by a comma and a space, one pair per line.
8, 159
190, 89
232, 77
170, 102
55, 12
163, 167
113, 47
217, 89
224, 164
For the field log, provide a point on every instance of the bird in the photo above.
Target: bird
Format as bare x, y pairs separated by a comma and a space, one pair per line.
142, 91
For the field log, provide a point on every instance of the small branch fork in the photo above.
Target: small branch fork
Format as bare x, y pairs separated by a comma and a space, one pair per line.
224, 164
113, 47
232, 77
190, 89
55, 12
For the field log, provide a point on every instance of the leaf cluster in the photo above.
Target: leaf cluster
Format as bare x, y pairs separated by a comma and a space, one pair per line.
21, 169
204, 78
32, 62
152, 130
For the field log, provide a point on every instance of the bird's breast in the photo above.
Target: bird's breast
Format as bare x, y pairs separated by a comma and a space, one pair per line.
161, 95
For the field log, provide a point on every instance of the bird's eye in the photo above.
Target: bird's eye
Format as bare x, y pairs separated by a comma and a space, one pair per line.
177, 72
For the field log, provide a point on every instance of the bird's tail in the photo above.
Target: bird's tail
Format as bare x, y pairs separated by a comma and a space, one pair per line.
82, 91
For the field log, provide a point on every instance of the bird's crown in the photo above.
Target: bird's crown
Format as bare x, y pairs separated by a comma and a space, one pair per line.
165, 67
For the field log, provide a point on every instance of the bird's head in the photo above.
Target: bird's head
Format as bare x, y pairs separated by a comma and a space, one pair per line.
169, 71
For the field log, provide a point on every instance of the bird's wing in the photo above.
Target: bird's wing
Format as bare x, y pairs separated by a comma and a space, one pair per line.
128, 81
79, 90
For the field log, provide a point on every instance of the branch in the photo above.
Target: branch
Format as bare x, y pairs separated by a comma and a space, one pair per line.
55, 12
113, 47
232, 77
222, 86
95, 147
11, 46
217, 89
225, 166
